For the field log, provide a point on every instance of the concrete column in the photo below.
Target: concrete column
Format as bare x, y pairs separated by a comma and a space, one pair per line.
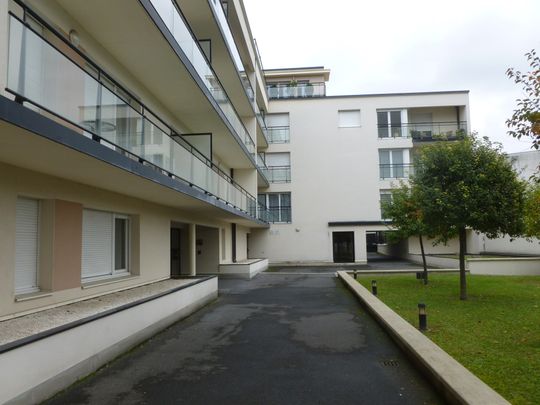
192, 240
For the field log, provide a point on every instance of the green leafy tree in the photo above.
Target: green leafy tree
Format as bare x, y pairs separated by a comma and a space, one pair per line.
405, 213
468, 184
532, 211
525, 121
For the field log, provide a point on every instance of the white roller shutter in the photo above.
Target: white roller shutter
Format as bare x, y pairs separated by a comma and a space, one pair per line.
277, 120
26, 246
97, 243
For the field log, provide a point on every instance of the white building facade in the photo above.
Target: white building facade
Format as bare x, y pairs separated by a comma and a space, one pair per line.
334, 158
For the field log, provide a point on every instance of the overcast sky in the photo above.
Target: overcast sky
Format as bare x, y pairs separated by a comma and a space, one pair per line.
402, 46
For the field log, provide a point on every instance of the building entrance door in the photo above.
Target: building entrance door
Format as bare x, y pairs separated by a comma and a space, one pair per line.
343, 243
175, 252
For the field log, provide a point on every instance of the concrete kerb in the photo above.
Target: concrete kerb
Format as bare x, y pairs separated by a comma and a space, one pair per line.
455, 382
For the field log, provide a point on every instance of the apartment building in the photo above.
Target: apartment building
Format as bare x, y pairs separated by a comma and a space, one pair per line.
159, 147
332, 160
129, 133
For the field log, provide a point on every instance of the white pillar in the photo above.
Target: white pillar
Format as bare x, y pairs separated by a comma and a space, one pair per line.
192, 241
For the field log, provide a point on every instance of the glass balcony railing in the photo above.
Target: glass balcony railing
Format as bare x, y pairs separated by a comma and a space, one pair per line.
226, 29
262, 124
180, 30
425, 131
296, 90
78, 94
278, 134
278, 174
395, 171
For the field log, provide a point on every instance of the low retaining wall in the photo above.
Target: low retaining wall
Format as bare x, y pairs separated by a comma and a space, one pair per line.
455, 382
33, 369
246, 269
505, 266
435, 261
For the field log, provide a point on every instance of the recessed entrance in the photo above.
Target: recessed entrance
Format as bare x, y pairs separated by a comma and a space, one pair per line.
343, 245
176, 249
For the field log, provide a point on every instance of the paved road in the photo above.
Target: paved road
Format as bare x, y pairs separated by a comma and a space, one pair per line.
277, 339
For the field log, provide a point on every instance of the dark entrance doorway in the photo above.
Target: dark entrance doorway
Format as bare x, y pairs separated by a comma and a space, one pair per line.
343, 243
372, 239
176, 262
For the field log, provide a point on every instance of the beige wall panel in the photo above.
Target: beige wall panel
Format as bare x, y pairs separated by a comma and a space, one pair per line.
67, 245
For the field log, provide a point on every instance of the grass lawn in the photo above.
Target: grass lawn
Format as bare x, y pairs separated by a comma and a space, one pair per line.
495, 333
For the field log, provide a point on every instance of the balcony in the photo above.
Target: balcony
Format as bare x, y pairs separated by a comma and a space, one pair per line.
425, 131
180, 31
278, 174
223, 23
279, 134
262, 171
395, 171
295, 90
79, 95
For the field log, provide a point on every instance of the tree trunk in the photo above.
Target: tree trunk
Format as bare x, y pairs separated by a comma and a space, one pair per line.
462, 275
423, 259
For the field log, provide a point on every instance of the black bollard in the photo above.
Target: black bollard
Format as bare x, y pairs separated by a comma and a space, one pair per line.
422, 317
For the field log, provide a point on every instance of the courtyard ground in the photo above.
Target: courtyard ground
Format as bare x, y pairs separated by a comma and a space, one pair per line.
276, 339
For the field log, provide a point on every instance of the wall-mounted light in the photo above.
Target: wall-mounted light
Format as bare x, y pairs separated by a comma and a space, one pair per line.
74, 38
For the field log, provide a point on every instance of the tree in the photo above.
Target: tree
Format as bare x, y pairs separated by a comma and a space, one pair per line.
525, 120
532, 211
405, 213
468, 184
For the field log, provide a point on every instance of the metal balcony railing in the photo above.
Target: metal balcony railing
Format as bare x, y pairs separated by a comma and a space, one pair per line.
279, 134
396, 171
279, 214
425, 131
278, 174
184, 37
86, 99
295, 90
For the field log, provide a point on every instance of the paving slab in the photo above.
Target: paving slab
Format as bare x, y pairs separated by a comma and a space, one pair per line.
275, 339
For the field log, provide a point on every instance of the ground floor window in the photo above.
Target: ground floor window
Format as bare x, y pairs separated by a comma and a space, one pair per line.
279, 206
26, 246
106, 241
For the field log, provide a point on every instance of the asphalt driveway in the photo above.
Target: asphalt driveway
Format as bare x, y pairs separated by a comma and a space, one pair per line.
276, 339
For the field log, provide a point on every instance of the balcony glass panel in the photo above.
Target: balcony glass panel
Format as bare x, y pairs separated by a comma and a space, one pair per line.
183, 36
296, 90
44, 79
278, 134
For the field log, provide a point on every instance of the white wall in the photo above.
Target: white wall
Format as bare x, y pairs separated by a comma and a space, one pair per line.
334, 171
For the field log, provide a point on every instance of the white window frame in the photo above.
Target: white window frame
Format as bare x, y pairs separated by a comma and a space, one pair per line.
280, 206
356, 125
391, 165
402, 126
114, 272
127, 244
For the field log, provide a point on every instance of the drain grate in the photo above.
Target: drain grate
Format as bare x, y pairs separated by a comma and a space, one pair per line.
390, 363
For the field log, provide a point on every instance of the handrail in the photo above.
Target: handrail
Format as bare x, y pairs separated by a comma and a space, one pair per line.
423, 130
136, 122
293, 89
395, 170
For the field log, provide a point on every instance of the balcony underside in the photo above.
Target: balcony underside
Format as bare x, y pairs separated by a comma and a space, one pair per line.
129, 35
31, 141
202, 21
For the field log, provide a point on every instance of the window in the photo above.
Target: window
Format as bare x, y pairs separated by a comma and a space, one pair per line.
279, 206
26, 246
348, 118
391, 164
385, 197
105, 244
278, 128
389, 124
279, 167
